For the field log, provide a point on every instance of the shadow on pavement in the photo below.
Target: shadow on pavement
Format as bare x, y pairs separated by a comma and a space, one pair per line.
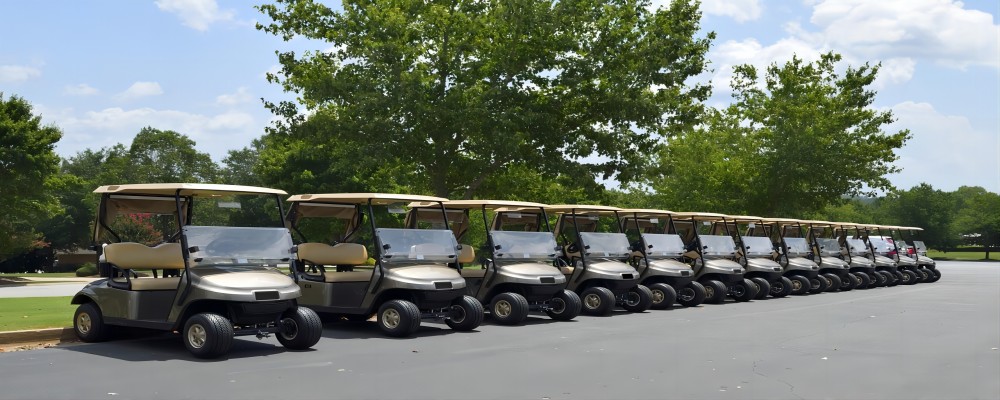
132, 344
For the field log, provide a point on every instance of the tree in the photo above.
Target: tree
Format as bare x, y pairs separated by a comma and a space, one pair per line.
27, 165
791, 143
454, 93
157, 156
923, 206
978, 218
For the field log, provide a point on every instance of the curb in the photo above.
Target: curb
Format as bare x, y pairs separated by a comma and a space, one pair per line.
36, 335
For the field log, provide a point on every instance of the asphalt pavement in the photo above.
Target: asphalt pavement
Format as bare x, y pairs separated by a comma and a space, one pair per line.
928, 341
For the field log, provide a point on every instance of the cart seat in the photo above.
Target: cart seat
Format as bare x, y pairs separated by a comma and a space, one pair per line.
338, 254
473, 272
466, 254
364, 275
149, 283
129, 255
566, 270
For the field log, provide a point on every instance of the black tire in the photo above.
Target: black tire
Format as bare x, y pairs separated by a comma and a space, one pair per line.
819, 284
398, 318
597, 301
664, 296
909, 277
564, 306
207, 335
835, 282
715, 291
881, 278
850, 282
800, 285
744, 290
866, 280
781, 287
691, 295
301, 329
88, 323
923, 275
509, 308
763, 288
895, 278
936, 273
468, 314
637, 299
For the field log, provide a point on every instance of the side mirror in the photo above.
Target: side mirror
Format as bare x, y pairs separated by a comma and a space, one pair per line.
497, 247
386, 246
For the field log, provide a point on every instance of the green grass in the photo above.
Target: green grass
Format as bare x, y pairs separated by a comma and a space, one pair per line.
962, 255
18, 314
42, 275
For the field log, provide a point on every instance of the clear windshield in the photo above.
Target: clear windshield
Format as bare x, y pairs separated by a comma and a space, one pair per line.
828, 247
881, 246
797, 246
601, 244
920, 247
663, 245
758, 246
222, 245
524, 245
717, 245
857, 246
409, 245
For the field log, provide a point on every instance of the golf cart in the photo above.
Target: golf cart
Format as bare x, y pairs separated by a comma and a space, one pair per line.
712, 257
924, 263
793, 249
859, 255
656, 255
906, 266
826, 252
411, 278
594, 254
211, 252
518, 275
880, 253
756, 253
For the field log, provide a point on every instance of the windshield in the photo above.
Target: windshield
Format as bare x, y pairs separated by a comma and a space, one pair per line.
920, 247
796, 246
408, 245
663, 245
717, 245
223, 245
524, 245
881, 246
828, 246
857, 246
758, 246
601, 244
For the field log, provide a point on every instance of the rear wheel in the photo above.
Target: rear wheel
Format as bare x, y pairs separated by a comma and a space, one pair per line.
715, 291
638, 299
781, 287
509, 308
301, 329
923, 275
763, 287
744, 290
398, 318
818, 284
691, 295
467, 314
88, 322
564, 306
800, 285
664, 296
835, 282
208, 335
597, 301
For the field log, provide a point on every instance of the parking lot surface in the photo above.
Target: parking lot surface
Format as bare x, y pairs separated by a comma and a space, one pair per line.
928, 341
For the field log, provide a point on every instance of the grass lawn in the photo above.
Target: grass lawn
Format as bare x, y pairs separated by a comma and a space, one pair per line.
962, 255
35, 313
42, 275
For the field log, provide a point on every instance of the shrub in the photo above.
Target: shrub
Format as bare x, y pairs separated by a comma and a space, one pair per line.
88, 269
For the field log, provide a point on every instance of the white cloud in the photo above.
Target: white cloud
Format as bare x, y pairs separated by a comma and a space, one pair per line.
944, 148
140, 89
82, 89
17, 73
242, 96
731, 53
739, 10
895, 71
196, 14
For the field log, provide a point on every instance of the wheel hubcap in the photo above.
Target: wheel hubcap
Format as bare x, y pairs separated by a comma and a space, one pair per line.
686, 294
502, 308
739, 290
197, 336
558, 305
710, 291
796, 285
459, 314
390, 318
632, 298
291, 329
83, 323
777, 287
592, 301
658, 296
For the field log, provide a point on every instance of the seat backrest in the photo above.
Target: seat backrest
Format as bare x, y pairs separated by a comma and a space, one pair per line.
338, 254
130, 255
466, 254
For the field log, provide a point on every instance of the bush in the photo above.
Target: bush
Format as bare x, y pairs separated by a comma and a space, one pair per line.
88, 269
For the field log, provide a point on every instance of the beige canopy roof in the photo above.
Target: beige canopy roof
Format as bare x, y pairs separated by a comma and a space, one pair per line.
581, 208
911, 228
363, 198
743, 218
187, 189
477, 204
699, 215
644, 212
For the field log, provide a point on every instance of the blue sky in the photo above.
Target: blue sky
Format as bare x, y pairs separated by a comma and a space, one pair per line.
101, 70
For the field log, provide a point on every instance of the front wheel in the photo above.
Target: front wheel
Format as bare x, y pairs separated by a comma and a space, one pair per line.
781, 287
88, 323
467, 314
637, 299
398, 318
881, 278
564, 306
301, 329
208, 335
866, 281
908, 277
763, 287
800, 285
835, 282
691, 295
664, 296
819, 284
923, 276
849, 282
936, 275
509, 308
744, 290
715, 291
598, 301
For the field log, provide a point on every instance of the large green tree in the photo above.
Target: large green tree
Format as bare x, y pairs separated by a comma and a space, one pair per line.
445, 96
977, 219
27, 164
928, 208
794, 140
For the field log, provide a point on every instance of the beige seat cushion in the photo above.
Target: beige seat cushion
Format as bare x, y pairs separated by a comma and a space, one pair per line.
140, 284
364, 275
129, 255
566, 270
466, 254
473, 272
338, 254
